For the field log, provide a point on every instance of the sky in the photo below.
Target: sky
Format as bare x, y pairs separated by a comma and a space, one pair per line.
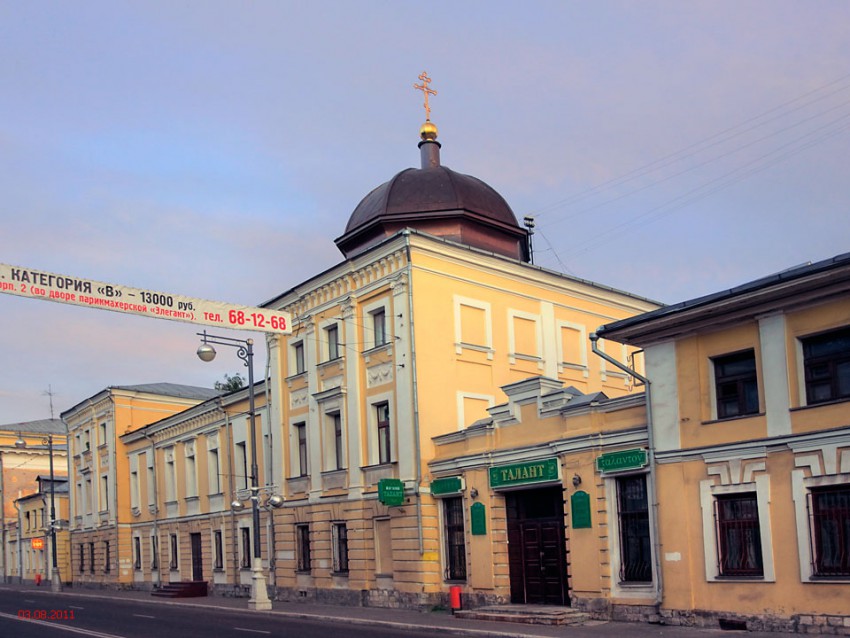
216, 149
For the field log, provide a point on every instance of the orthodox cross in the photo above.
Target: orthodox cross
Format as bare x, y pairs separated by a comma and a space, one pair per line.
426, 91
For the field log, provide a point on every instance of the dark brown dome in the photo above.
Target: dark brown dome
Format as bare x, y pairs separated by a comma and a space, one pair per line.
441, 202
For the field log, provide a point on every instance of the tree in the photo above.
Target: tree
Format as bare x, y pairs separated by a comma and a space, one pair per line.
230, 383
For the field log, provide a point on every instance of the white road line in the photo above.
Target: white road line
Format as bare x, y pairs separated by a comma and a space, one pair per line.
143, 616
61, 627
75, 607
253, 631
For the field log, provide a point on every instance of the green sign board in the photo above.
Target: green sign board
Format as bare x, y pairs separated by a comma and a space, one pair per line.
524, 473
580, 510
391, 492
478, 516
623, 460
449, 485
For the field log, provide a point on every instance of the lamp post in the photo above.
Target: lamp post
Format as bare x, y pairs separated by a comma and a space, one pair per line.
245, 351
55, 579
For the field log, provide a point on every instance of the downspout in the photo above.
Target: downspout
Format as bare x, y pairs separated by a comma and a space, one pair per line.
234, 542
416, 442
650, 441
269, 463
20, 542
155, 509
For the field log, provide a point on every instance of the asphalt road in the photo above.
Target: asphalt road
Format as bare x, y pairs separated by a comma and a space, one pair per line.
43, 615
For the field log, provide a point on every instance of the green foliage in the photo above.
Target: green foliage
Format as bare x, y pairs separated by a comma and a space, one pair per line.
230, 383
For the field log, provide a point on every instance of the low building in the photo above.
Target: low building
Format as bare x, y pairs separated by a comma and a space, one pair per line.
36, 532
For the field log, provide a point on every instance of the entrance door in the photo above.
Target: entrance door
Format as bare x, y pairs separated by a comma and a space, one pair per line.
197, 557
536, 547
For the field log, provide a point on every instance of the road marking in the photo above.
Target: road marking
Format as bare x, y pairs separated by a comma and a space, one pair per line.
253, 631
61, 627
27, 600
143, 616
75, 607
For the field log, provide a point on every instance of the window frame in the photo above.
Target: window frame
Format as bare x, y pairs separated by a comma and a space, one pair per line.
628, 519
174, 554
843, 534
339, 544
454, 531
379, 327
137, 551
383, 433
332, 341
739, 382
303, 560
245, 544
218, 549
106, 557
302, 449
725, 526
831, 360
299, 362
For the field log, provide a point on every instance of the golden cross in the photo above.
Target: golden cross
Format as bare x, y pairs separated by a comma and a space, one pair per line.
426, 91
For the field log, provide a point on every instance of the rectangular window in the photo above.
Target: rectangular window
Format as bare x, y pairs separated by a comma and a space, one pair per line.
102, 434
830, 512
332, 334
246, 547
301, 435
218, 548
826, 361
339, 452
137, 552
379, 327
382, 412
633, 519
455, 538
106, 557
91, 557
213, 472
154, 553
134, 489
339, 533
170, 477
82, 558
739, 535
298, 358
104, 493
242, 464
191, 475
172, 563
302, 548
736, 384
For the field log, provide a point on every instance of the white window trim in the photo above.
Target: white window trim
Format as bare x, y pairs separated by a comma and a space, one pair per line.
292, 360
461, 417
708, 492
325, 340
372, 433
582, 333
604, 372
513, 355
460, 301
368, 311
294, 453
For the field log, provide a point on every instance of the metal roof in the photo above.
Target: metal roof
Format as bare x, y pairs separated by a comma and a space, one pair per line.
43, 426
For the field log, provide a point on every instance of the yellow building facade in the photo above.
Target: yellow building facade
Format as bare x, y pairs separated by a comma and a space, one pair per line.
751, 421
100, 516
35, 538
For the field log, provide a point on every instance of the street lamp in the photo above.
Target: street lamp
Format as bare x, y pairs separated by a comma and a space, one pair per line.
55, 579
245, 351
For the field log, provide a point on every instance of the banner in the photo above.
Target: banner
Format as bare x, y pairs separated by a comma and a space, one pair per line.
37, 284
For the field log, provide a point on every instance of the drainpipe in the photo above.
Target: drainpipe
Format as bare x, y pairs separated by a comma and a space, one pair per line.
653, 511
270, 464
416, 442
234, 542
20, 541
155, 509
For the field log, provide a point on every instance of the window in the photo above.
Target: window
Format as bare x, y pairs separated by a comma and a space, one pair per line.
382, 411
298, 357
339, 534
633, 519
830, 512
241, 464
104, 493
736, 385
339, 452
246, 547
154, 553
170, 476
302, 548
137, 552
218, 548
455, 538
172, 563
191, 473
332, 334
739, 535
134, 489
379, 327
82, 558
826, 361
102, 434
91, 557
106, 557
213, 472
301, 435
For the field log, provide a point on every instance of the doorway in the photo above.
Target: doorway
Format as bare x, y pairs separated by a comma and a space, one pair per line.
197, 557
537, 554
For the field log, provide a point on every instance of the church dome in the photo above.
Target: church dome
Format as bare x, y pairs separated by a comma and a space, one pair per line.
437, 200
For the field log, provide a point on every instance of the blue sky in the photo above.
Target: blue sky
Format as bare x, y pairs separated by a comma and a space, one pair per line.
215, 149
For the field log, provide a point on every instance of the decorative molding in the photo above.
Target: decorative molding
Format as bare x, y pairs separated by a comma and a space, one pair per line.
379, 374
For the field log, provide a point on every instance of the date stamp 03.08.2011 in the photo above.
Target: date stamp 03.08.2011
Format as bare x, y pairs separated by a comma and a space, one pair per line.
46, 614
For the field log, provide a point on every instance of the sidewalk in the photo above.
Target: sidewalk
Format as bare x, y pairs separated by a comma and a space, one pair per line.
402, 619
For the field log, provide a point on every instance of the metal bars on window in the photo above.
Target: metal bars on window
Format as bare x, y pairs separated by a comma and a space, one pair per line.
829, 514
455, 539
635, 543
739, 535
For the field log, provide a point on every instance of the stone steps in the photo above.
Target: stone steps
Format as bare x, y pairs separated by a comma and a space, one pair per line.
527, 614
185, 589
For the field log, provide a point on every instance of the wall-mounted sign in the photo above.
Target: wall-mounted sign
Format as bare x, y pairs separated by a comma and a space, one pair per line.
580, 510
502, 476
622, 460
391, 492
478, 517
446, 486
37, 543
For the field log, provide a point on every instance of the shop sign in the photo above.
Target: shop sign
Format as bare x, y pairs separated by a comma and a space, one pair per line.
391, 492
448, 485
622, 460
543, 471
580, 510
478, 516
37, 543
